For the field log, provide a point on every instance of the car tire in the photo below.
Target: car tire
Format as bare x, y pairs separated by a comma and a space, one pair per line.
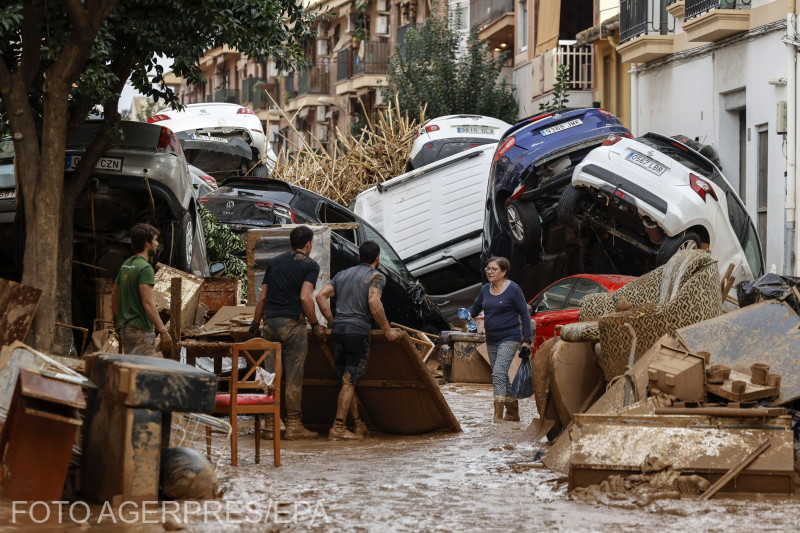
570, 205
688, 240
524, 223
183, 243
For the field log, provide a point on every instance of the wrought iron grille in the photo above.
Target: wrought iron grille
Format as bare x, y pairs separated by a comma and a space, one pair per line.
695, 8
644, 17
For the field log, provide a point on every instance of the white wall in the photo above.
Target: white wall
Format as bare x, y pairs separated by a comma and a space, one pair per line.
522, 79
688, 98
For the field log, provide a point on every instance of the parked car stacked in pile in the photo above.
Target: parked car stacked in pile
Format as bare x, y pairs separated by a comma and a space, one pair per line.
222, 139
655, 195
533, 163
451, 134
245, 202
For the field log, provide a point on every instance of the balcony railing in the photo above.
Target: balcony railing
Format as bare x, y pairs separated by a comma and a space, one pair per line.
230, 96
643, 17
314, 80
579, 61
254, 91
484, 12
371, 57
695, 8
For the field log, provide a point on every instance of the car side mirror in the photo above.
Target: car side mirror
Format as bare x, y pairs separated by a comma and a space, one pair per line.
542, 307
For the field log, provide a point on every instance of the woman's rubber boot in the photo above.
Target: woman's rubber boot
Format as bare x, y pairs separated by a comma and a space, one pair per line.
512, 410
499, 403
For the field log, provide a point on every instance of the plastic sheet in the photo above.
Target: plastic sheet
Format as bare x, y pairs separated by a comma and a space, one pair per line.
769, 287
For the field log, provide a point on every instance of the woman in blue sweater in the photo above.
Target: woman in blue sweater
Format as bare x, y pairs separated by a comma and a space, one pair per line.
508, 327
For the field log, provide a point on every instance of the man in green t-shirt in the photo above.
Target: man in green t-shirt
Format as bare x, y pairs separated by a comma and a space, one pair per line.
135, 314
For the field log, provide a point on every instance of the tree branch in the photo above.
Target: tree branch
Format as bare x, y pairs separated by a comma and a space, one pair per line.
31, 49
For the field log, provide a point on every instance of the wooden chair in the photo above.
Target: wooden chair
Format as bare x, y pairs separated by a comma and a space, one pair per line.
235, 403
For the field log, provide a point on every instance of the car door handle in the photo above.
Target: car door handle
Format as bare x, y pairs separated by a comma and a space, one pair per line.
443, 303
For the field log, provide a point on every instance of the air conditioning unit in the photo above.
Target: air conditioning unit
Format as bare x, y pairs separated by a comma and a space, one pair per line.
379, 99
382, 25
352, 23
322, 47
272, 70
321, 113
322, 133
383, 6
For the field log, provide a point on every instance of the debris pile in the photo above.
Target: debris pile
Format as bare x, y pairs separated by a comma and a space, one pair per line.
378, 153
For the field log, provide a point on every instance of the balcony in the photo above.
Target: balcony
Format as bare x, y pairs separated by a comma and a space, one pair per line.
361, 67
579, 61
230, 96
254, 92
495, 20
646, 31
314, 80
710, 20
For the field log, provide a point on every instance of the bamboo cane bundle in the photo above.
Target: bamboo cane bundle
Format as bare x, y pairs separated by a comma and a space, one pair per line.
356, 163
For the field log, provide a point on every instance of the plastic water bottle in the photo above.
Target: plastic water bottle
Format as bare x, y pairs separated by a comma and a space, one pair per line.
463, 314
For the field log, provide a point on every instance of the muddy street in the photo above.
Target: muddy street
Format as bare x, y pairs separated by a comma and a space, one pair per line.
484, 479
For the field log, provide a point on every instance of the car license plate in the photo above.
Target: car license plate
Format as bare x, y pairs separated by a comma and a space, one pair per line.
105, 163
561, 127
6, 195
475, 130
646, 163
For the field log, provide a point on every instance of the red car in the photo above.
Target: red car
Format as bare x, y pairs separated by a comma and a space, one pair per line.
558, 303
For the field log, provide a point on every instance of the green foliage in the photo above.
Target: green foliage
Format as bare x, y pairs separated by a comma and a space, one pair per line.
137, 32
560, 91
149, 109
433, 69
222, 245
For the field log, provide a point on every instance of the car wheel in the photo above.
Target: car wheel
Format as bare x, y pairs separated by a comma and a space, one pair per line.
524, 223
571, 206
672, 245
183, 243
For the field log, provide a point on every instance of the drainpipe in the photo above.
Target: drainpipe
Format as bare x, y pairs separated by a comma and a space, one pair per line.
791, 245
634, 102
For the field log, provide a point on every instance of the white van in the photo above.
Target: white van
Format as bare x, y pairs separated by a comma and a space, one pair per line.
433, 217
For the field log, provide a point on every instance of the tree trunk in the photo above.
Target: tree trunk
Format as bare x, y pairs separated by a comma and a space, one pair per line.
42, 195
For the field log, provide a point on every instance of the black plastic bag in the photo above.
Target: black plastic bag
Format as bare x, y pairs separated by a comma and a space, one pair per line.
769, 287
522, 387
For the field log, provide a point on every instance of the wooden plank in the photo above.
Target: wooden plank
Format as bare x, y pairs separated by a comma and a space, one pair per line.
18, 304
733, 472
34, 385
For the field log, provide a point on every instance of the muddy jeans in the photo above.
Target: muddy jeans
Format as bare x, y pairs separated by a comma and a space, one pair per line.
292, 335
500, 356
135, 341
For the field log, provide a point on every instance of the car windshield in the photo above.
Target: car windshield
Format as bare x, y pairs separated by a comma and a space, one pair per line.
679, 154
389, 257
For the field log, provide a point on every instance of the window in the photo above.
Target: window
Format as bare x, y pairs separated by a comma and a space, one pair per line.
448, 279
459, 16
762, 189
583, 288
688, 159
389, 257
555, 297
752, 251
522, 24
331, 215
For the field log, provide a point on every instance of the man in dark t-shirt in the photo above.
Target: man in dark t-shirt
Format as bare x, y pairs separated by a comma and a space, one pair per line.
286, 300
358, 297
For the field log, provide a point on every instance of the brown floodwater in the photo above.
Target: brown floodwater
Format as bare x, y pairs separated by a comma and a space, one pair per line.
484, 479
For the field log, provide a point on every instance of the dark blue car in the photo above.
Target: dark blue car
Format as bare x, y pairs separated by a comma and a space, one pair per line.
533, 163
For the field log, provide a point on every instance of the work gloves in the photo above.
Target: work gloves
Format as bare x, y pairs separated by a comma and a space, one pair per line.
166, 345
254, 328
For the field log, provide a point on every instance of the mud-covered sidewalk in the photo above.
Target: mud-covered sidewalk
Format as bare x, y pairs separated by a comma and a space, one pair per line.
482, 479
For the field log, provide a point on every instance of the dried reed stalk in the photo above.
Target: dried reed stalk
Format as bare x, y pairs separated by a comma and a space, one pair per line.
356, 163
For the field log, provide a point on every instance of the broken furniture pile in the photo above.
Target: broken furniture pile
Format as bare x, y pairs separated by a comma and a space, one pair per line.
696, 406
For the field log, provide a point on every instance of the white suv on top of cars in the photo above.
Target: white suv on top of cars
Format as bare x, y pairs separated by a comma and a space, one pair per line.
451, 134
656, 195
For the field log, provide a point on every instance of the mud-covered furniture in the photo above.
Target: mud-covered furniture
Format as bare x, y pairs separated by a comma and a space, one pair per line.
684, 291
238, 401
460, 359
128, 421
37, 438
